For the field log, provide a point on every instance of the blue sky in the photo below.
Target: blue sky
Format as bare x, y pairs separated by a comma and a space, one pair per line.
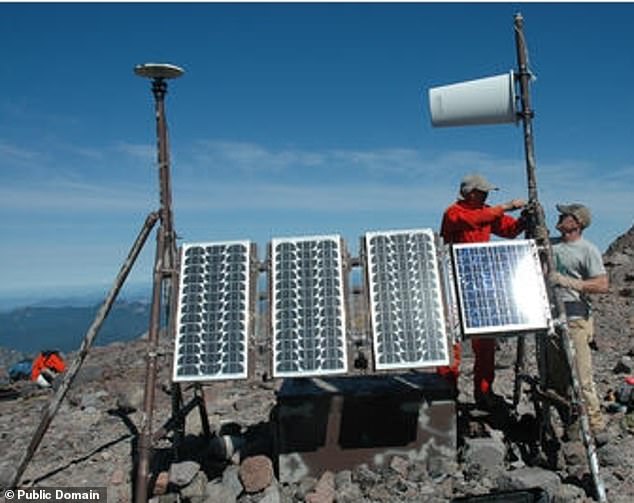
292, 119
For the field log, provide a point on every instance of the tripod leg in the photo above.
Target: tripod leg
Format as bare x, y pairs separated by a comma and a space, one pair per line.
90, 336
519, 369
202, 408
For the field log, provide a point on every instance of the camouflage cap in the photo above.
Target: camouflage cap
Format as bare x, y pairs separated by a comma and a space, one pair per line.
578, 211
475, 182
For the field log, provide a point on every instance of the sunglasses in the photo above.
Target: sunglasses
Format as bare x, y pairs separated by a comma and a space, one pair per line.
569, 231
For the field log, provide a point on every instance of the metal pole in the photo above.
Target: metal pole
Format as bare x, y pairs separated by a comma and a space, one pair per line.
145, 431
540, 232
90, 336
536, 217
159, 89
176, 392
163, 270
526, 113
536, 227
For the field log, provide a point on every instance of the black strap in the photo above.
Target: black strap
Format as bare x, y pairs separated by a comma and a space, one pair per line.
577, 309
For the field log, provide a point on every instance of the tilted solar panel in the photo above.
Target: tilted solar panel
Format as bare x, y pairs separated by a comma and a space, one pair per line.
213, 317
307, 308
406, 307
500, 287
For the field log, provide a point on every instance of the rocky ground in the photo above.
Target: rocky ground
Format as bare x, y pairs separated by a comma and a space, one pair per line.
92, 439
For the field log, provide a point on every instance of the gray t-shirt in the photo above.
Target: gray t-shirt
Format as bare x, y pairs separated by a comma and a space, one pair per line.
579, 259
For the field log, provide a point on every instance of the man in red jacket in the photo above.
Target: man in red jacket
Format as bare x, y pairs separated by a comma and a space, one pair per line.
46, 366
470, 220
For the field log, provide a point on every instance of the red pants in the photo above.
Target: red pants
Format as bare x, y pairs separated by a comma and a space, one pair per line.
451, 372
483, 369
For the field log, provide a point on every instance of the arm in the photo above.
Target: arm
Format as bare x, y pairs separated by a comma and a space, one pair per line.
596, 284
589, 276
507, 226
460, 218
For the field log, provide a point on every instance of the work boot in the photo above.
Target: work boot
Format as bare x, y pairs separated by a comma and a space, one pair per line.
489, 401
600, 438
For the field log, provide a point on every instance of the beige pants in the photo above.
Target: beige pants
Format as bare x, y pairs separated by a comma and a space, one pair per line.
581, 333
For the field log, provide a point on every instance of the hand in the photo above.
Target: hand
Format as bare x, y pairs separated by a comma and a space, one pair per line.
558, 279
514, 204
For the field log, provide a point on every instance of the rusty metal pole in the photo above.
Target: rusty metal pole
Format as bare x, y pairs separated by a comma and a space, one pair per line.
159, 89
540, 232
145, 429
164, 268
170, 252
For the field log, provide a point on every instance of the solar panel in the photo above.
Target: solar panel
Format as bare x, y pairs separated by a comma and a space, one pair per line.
406, 307
213, 316
500, 287
308, 314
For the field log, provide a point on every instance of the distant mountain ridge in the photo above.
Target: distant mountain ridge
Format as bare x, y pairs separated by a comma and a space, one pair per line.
86, 296
31, 329
61, 322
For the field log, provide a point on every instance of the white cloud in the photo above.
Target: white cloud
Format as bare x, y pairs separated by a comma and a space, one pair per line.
13, 153
70, 196
248, 158
211, 176
91, 153
317, 198
136, 151
216, 159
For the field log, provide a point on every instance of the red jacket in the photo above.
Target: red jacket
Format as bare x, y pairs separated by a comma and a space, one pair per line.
463, 222
50, 360
466, 222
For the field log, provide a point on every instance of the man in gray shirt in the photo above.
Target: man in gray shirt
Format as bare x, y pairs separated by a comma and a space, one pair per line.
579, 272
